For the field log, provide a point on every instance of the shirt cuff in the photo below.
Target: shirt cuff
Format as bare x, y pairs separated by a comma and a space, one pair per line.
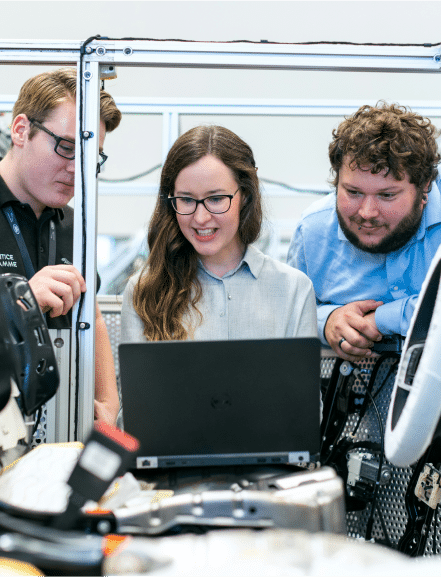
389, 318
323, 312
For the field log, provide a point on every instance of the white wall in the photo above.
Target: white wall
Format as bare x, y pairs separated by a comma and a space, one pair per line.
289, 150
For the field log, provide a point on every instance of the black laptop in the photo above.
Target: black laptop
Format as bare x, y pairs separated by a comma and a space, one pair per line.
211, 403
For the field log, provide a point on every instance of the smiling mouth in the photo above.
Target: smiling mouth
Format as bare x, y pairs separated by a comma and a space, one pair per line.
205, 234
205, 231
367, 226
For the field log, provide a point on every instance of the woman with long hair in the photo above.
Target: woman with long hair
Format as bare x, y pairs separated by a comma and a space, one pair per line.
203, 279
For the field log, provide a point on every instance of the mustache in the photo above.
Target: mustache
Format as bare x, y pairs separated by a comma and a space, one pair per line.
361, 222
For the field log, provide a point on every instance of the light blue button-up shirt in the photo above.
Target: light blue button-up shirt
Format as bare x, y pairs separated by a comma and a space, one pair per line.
260, 298
342, 273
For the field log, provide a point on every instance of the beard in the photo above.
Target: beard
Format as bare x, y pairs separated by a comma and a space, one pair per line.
393, 241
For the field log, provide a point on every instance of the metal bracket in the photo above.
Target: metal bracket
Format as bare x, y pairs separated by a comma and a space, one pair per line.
428, 487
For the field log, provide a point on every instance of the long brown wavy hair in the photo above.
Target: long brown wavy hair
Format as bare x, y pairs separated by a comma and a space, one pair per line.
168, 286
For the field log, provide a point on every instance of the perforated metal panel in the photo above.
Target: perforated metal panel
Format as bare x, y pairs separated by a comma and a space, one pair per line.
110, 307
392, 515
56, 417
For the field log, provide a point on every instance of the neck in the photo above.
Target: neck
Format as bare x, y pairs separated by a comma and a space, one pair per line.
221, 267
11, 175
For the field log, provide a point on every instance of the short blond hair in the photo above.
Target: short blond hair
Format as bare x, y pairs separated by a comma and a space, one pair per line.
42, 93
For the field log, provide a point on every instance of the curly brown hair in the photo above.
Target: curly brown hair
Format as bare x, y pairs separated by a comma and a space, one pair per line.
168, 286
387, 136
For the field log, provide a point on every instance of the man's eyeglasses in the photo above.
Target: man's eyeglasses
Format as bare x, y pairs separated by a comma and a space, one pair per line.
216, 204
66, 148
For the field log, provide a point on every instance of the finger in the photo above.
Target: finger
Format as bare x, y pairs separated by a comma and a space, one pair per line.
58, 299
71, 270
368, 306
350, 353
62, 273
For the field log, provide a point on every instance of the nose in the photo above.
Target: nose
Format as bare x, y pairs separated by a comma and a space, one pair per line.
201, 215
368, 208
70, 166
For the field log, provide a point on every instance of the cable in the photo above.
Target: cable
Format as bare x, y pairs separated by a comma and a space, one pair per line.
293, 188
380, 464
384, 356
258, 42
134, 177
383, 526
267, 180
388, 374
37, 421
83, 223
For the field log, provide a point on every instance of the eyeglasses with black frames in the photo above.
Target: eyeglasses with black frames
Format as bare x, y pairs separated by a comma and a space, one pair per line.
216, 204
64, 147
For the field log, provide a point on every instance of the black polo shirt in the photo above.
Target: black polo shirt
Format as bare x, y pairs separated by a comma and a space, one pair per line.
36, 236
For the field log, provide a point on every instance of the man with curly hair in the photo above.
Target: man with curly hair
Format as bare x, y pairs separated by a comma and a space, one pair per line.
367, 246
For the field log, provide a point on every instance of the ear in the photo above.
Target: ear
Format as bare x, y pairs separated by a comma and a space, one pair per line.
424, 198
20, 129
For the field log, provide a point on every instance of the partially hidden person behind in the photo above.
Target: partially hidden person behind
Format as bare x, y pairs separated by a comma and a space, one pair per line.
204, 279
36, 230
367, 247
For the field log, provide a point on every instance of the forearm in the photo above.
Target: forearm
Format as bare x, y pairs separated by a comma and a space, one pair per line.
106, 391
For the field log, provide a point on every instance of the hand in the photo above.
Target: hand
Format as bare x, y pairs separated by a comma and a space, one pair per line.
57, 288
104, 413
355, 323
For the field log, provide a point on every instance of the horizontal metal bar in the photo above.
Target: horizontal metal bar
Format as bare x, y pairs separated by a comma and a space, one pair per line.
258, 107
227, 55
151, 189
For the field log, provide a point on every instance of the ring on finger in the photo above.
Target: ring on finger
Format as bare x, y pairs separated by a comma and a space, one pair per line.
342, 340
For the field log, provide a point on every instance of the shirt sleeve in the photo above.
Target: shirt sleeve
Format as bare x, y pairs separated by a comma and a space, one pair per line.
394, 318
296, 251
132, 328
305, 313
296, 259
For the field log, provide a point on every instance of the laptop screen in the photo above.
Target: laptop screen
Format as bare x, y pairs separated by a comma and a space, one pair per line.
193, 403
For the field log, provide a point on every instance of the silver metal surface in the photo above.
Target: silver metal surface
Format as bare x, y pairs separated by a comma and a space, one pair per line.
83, 391
260, 55
315, 504
58, 409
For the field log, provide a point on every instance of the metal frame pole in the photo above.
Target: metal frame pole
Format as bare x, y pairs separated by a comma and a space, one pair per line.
83, 322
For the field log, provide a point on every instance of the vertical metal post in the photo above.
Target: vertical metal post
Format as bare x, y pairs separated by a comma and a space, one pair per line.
83, 322
57, 409
170, 131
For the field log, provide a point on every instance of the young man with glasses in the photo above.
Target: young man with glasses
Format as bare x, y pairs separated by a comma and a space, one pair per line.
36, 230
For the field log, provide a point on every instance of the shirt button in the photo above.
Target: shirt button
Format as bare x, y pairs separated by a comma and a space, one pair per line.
41, 249
229, 297
395, 288
222, 314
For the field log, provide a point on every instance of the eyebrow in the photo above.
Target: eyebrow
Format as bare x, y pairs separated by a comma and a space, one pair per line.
217, 191
392, 188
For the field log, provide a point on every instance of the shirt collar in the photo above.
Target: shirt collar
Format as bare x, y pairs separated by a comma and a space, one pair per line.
252, 258
7, 198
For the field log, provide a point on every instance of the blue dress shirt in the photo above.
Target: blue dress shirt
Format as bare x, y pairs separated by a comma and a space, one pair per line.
342, 273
